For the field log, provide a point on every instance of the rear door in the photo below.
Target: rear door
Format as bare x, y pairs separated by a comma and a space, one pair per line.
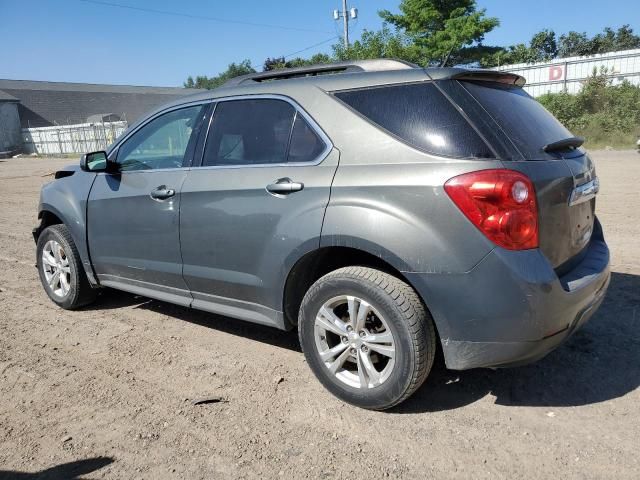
133, 214
566, 223
255, 205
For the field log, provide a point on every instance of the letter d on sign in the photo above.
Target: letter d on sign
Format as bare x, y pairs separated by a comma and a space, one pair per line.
555, 72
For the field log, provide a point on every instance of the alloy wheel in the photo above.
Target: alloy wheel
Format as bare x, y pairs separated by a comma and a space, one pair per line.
354, 342
56, 268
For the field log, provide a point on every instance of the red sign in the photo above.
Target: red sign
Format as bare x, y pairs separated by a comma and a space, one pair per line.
556, 72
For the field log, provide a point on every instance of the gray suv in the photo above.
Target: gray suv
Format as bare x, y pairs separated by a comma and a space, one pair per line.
385, 211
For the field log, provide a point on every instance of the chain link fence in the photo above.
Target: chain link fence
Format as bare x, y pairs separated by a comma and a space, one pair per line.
64, 139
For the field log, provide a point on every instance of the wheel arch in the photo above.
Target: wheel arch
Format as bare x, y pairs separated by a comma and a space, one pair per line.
50, 215
317, 263
47, 218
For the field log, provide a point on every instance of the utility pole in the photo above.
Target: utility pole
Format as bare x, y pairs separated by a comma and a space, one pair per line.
345, 23
345, 14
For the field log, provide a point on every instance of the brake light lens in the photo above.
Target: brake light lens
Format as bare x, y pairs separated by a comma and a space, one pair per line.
500, 203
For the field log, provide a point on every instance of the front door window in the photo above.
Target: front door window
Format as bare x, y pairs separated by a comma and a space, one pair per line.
161, 143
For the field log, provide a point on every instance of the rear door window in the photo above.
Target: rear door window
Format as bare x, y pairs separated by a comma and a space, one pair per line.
305, 145
419, 115
523, 119
249, 132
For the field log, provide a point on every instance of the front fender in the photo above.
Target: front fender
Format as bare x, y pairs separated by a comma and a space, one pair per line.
66, 198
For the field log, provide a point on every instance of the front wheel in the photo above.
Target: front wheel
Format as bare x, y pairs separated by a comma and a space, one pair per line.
60, 269
366, 336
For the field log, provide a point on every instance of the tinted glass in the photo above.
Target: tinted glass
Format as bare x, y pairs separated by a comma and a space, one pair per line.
529, 125
249, 132
161, 143
421, 116
305, 144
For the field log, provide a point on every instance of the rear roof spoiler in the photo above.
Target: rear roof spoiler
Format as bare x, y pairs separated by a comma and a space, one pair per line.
491, 76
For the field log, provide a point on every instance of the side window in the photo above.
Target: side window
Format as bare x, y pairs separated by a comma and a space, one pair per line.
305, 144
419, 115
249, 132
161, 143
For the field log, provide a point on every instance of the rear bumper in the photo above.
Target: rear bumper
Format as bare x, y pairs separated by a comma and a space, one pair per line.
512, 308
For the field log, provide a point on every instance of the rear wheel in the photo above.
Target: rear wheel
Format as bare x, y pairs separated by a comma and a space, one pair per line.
366, 336
60, 269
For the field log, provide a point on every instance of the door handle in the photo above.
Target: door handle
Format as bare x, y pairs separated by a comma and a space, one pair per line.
162, 193
284, 186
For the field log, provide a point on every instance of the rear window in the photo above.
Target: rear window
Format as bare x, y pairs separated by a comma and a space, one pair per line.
527, 123
419, 115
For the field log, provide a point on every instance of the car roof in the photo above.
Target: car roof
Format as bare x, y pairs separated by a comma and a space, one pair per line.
339, 76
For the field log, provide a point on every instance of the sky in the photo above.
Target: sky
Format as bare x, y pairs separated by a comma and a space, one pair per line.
89, 41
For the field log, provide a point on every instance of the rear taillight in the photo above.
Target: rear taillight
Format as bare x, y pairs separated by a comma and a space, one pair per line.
501, 203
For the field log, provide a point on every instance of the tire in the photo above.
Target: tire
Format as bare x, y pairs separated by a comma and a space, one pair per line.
74, 292
401, 362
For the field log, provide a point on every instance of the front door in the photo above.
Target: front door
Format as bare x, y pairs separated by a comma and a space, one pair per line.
254, 206
133, 214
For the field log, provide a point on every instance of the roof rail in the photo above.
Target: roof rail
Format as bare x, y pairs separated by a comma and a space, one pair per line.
313, 70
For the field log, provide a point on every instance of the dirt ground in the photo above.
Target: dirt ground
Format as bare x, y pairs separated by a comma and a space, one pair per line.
107, 392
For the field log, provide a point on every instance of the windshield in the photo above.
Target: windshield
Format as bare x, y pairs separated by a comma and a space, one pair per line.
527, 123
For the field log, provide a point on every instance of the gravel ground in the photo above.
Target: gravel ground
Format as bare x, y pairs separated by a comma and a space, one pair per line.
107, 391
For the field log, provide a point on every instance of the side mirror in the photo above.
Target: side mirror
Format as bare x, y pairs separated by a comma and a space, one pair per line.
94, 162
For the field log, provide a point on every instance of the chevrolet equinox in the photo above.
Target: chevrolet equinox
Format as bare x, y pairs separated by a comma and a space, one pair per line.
383, 210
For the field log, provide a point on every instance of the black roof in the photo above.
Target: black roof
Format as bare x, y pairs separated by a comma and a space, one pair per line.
60, 103
5, 97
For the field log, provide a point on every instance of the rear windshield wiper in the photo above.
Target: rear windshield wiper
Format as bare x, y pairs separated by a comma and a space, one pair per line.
571, 142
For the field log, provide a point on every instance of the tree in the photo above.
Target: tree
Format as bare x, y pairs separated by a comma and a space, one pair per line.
574, 44
277, 63
233, 70
274, 63
611, 41
317, 59
443, 31
543, 46
626, 39
378, 44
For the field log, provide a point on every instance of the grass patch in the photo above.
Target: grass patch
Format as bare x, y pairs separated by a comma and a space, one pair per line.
606, 115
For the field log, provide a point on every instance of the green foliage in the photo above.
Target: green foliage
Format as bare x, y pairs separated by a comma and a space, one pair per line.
233, 70
277, 63
544, 46
443, 31
317, 59
603, 113
574, 44
381, 44
610, 40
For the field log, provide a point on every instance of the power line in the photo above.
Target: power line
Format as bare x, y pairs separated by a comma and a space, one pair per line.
201, 17
312, 46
